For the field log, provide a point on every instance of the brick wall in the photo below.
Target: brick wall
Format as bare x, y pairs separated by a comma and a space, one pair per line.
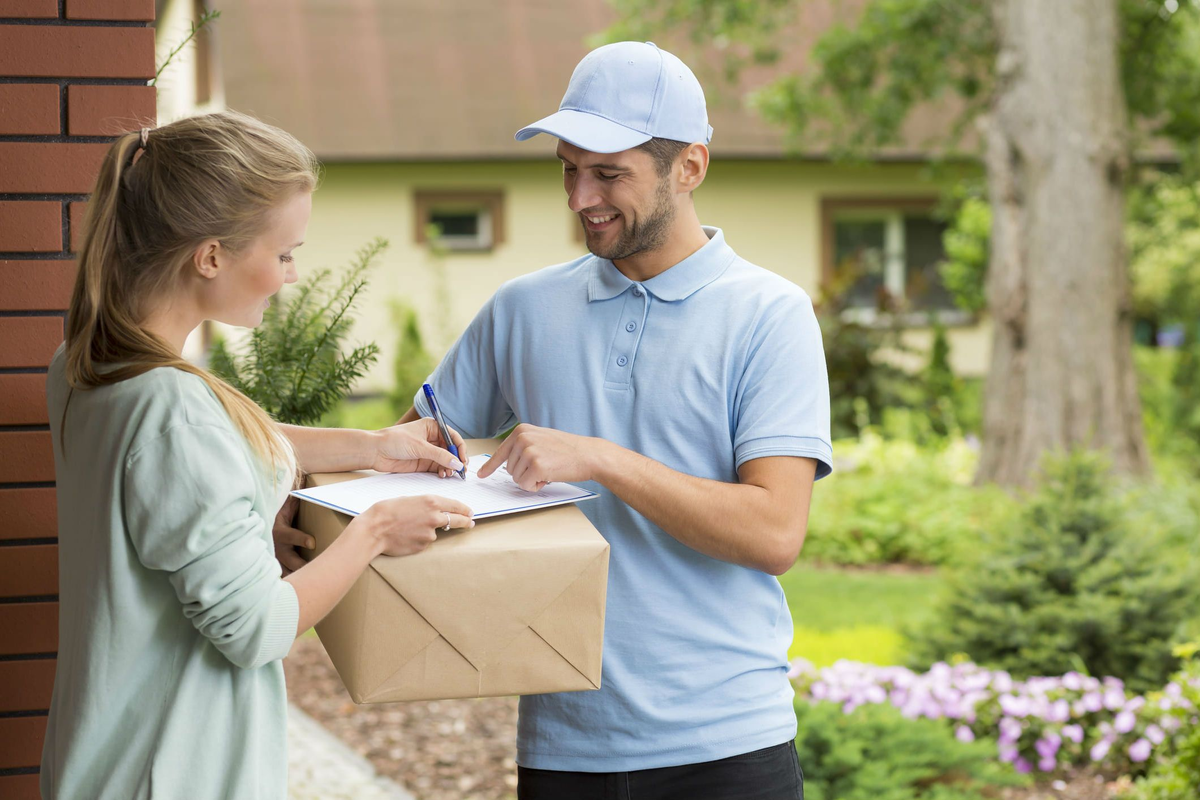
72, 73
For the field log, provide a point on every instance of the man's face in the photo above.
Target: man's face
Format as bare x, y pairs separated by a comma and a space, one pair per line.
624, 206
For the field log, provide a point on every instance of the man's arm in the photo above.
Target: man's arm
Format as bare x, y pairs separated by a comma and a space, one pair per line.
759, 522
409, 416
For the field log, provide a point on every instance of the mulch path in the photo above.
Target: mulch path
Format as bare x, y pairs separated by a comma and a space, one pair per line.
437, 749
465, 749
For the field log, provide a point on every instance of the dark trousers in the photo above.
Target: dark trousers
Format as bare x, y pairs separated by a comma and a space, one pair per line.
772, 773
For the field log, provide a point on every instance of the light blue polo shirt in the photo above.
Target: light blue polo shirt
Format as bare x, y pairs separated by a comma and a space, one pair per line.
710, 364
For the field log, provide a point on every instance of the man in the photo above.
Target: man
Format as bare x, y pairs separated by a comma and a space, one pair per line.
688, 388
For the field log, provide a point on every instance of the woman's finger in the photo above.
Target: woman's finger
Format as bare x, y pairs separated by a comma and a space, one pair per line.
456, 521
293, 537
453, 506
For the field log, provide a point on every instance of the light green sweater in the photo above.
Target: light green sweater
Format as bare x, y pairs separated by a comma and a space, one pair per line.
173, 617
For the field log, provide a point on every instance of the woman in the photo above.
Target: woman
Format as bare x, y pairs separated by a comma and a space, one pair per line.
173, 612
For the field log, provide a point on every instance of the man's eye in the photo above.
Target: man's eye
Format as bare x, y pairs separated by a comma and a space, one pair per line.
569, 170
604, 177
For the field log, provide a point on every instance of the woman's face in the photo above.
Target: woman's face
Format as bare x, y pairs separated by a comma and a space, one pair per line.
241, 290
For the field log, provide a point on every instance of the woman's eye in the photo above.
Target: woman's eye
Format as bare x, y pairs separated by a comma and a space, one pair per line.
286, 259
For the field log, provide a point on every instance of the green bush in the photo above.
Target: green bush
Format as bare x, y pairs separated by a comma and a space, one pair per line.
413, 362
893, 501
292, 364
876, 753
1176, 774
861, 384
1070, 584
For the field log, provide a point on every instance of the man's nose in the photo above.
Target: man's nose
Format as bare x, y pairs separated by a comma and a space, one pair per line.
583, 194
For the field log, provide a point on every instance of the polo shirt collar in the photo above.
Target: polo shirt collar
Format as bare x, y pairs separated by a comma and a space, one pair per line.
675, 283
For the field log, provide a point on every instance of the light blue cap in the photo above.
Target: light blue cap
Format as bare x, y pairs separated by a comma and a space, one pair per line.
625, 94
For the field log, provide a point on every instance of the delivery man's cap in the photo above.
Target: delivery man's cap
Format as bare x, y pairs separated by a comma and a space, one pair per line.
625, 94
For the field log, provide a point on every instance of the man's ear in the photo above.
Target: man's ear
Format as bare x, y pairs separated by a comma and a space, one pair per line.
208, 258
693, 166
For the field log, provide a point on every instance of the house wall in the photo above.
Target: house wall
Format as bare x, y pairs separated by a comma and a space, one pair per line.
769, 210
72, 72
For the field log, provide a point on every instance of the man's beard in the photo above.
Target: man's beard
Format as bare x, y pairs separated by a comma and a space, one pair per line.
649, 234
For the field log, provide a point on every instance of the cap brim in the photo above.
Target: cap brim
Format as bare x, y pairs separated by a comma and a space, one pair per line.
586, 131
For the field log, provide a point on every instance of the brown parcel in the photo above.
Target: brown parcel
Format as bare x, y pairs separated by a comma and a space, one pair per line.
513, 606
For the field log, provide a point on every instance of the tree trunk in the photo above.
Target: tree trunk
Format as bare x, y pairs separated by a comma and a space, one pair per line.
1062, 364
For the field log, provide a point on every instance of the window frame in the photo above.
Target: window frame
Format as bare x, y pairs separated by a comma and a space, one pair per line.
488, 201
891, 211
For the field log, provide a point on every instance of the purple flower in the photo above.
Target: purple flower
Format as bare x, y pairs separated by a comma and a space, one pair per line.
1008, 752
964, 734
1074, 733
1092, 701
1047, 764
1023, 766
1047, 746
1010, 730
1155, 734
1100, 749
1073, 681
1124, 722
1114, 698
1139, 750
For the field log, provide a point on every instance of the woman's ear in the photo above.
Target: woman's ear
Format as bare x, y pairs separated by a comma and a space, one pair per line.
208, 258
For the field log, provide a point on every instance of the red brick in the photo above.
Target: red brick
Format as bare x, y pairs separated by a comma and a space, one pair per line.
27, 9
28, 513
77, 213
29, 570
26, 456
22, 402
26, 686
68, 51
28, 628
29, 341
29, 109
21, 741
20, 787
109, 110
30, 226
137, 10
43, 285
49, 168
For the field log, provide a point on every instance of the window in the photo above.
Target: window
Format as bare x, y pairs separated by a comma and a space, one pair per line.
883, 255
460, 221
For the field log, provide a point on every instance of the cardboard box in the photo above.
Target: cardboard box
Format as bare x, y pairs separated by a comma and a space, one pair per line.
514, 605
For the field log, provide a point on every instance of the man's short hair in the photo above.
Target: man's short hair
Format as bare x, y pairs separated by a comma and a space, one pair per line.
664, 152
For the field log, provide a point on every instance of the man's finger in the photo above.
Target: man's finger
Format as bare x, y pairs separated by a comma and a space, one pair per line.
498, 458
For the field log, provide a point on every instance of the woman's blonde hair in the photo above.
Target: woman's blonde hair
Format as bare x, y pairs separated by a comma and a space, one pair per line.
216, 176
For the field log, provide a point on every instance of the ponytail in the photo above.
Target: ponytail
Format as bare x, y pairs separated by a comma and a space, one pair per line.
214, 176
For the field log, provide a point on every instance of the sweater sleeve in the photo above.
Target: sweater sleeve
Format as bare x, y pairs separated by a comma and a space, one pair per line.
189, 511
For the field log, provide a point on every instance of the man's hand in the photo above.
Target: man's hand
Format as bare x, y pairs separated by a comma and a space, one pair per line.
287, 538
417, 447
536, 456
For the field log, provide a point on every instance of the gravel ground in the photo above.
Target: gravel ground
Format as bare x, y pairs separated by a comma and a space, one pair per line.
465, 749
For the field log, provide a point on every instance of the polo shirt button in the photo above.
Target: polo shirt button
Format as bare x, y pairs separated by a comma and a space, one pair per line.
631, 327
622, 361
637, 291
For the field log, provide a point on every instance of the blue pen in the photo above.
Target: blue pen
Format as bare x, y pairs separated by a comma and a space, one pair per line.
441, 422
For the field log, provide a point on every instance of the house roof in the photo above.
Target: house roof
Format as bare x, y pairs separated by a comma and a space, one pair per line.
455, 79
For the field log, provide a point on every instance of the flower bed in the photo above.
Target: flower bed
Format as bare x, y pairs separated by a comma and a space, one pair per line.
1044, 724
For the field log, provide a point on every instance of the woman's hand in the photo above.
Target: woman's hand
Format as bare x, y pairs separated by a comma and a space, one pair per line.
407, 525
417, 447
288, 537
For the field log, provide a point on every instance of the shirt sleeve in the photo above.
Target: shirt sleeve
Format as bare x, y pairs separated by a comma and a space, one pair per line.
782, 401
467, 382
189, 511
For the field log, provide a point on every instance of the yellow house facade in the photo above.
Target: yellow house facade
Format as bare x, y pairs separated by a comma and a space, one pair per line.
500, 204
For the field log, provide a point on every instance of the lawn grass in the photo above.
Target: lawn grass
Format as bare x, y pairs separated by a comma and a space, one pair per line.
857, 615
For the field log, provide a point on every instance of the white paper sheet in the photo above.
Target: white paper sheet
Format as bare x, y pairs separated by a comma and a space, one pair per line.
487, 497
